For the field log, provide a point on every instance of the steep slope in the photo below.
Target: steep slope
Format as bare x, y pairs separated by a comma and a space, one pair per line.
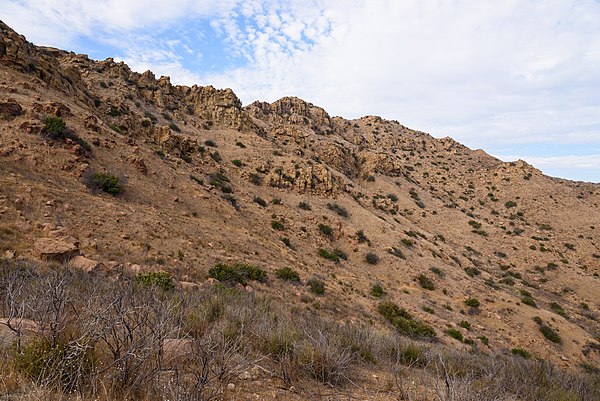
208, 181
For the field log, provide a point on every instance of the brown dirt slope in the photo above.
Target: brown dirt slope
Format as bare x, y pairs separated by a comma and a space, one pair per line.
197, 167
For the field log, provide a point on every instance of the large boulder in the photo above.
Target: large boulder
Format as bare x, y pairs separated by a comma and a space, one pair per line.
87, 265
10, 109
57, 249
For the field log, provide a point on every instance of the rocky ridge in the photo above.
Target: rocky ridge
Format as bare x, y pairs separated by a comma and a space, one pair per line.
492, 229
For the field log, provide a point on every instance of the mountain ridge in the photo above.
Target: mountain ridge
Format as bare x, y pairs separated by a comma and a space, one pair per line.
356, 203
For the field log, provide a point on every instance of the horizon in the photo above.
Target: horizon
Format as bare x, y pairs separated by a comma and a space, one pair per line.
491, 76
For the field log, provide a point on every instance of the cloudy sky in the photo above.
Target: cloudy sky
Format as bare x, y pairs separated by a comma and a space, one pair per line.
517, 78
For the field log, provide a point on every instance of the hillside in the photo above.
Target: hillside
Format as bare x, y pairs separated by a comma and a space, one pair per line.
354, 203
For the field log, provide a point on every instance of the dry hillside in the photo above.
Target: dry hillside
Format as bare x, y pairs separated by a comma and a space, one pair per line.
356, 204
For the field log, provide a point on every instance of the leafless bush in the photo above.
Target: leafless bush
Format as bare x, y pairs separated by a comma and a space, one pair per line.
120, 340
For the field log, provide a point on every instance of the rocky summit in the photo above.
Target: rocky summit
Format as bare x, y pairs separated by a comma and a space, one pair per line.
117, 176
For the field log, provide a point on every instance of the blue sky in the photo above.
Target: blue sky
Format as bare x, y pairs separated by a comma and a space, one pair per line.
517, 78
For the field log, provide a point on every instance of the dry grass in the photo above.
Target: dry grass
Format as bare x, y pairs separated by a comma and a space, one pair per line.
110, 341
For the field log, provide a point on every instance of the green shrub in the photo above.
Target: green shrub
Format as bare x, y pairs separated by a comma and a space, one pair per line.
472, 302
377, 290
521, 352
160, 279
437, 270
316, 285
216, 156
475, 224
54, 127
99, 181
211, 143
550, 334
287, 274
456, 334
255, 179
556, 308
403, 321
260, 201
464, 324
407, 242
537, 319
426, 282
237, 163
304, 206
277, 225
510, 204
484, 340
361, 237
338, 209
62, 364
237, 273
472, 271
326, 230
371, 258
396, 252
286, 241
324, 253
240, 144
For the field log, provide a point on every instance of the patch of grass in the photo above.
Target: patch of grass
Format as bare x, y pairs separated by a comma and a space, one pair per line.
326, 230
521, 352
371, 258
377, 291
396, 252
556, 308
437, 271
277, 225
476, 225
316, 285
324, 253
160, 279
288, 274
465, 325
260, 201
341, 211
510, 204
550, 334
304, 205
216, 156
456, 334
404, 322
472, 271
286, 241
426, 282
361, 237
472, 302
237, 273
237, 162
407, 242
255, 179
105, 182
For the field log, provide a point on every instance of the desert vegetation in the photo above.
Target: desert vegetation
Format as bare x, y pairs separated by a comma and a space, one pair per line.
142, 338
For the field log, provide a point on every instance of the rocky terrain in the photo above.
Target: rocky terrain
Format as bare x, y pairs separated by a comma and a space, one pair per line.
370, 208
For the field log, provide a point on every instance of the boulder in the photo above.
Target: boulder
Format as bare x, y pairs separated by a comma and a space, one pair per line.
57, 249
87, 265
10, 109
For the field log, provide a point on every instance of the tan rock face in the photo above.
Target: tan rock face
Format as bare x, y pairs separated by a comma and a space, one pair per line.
57, 249
217, 107
293, 111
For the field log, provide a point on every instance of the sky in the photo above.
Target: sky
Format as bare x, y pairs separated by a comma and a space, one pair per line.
519, 79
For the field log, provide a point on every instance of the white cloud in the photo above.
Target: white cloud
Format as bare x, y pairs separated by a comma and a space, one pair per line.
487, 73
